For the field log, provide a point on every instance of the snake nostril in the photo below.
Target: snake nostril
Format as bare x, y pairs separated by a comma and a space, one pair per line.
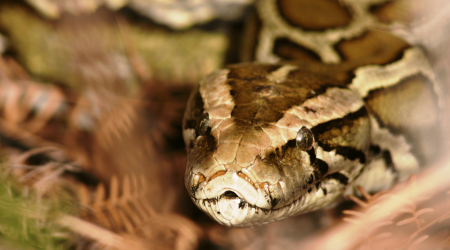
230, 194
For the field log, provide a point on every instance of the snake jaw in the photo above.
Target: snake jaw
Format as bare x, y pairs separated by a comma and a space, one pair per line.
230, 209
233, 211
232, 200
232, 182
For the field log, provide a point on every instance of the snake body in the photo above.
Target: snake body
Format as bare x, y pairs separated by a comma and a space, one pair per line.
324, 108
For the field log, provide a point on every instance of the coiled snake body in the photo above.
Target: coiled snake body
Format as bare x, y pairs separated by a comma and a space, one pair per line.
350, 104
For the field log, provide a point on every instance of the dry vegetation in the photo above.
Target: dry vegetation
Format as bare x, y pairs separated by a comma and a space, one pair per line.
99, 165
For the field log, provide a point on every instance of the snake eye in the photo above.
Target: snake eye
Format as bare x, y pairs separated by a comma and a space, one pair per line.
305, 139
203, 126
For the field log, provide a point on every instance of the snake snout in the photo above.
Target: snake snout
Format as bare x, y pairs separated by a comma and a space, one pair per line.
231, 185
234, 198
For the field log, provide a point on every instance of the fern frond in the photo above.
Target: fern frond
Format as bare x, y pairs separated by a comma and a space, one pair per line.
412, 216
127, 210
109, 116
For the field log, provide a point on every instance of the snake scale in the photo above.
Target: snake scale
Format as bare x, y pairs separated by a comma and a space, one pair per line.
333, 99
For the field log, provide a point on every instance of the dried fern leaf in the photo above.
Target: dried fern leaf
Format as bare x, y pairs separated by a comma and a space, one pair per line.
424, 211
406, 221
105, 237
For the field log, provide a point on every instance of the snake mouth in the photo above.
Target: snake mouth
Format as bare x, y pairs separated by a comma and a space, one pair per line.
231, 210
231, 187
230, 194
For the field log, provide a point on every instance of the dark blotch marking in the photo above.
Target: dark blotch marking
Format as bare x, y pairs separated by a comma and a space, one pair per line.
310, 180
308, 109
261, 101
324, 191
351, 153
291, 143
418, 92
320, 169
279, 152
272, 157
274, 202
361, 113
289, 50
241, 204
309, 190
375, 149
312, 156
196, 114
210, 140
303, 14
339, 177
387, 158
232, 93
325, 137
372, 47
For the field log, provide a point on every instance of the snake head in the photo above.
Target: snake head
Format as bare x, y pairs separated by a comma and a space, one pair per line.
260, 143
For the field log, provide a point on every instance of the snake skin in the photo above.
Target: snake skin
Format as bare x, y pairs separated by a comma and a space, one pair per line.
372, 104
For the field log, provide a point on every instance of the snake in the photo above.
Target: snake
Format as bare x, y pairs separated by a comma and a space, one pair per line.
328, 97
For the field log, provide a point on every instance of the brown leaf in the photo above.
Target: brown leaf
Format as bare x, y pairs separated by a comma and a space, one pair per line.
424, 211
406, 221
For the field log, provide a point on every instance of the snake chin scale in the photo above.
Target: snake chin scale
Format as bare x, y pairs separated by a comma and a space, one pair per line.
234, 212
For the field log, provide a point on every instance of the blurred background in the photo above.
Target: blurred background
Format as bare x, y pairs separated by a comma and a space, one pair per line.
92, 94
